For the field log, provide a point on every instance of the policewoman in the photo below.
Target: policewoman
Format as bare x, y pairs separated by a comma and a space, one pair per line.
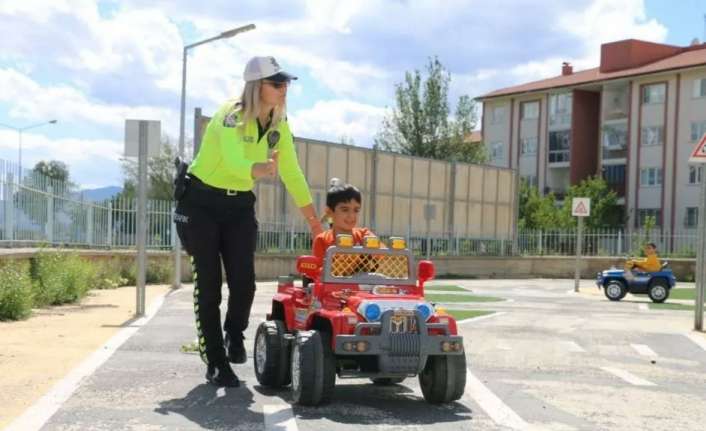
245, 141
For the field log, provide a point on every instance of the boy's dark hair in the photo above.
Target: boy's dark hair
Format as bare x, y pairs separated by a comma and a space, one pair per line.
342, 193
651, 244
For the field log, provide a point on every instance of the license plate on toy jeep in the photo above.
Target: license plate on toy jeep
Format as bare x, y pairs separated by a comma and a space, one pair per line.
403, 322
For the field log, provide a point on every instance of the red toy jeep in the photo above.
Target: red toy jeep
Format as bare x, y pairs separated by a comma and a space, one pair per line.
364, 315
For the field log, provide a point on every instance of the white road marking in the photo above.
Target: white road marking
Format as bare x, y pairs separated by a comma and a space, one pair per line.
279, 417
572, 346
628, 376
39, 413
502, 346
699, 340
476, 319
644, 350
493, 406
643, 307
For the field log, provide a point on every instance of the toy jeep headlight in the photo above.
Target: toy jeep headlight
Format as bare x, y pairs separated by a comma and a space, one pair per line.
371, 242
344, 240
425, 310
372, 312
398, 243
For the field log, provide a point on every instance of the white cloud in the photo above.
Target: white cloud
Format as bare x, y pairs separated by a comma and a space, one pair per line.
335, 119
90, 161
32, 101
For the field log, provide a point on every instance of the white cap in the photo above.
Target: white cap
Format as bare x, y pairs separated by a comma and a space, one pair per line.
265, 67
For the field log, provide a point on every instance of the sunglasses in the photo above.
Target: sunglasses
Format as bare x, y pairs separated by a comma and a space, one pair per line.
277, 85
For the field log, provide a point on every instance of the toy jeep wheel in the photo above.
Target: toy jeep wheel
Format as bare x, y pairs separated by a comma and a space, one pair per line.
313, 369
615, 290
444, 378
271, 357
387, 381
659, 290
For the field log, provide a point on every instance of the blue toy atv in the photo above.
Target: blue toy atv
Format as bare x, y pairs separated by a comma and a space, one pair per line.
655, 284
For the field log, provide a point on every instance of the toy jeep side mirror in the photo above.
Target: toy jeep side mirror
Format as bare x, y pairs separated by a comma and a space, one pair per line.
425, 271
309, 266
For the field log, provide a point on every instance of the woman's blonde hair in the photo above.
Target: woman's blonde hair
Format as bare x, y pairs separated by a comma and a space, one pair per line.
250, 105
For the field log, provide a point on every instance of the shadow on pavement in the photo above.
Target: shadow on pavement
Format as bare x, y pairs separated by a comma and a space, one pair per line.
373, 405
214, 408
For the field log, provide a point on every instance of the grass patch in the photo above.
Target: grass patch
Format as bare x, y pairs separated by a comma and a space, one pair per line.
440, 297
688, 293
468, 314
670, 306
192, 347
446, 288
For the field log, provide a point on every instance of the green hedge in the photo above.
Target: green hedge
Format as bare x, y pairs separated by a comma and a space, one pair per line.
15, 291
53, 278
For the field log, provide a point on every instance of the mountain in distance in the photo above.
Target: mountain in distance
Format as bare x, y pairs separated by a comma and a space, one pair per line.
100, 194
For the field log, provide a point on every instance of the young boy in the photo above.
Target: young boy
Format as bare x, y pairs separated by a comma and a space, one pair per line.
343, 203
649, 264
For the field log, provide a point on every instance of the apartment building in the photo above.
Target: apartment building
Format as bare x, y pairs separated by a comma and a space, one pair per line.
633, 120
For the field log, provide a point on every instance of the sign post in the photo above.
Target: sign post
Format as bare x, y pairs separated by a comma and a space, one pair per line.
142, 139
699, 156
580, 207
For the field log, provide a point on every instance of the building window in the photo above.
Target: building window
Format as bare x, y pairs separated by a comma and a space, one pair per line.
695, 174
615, 141
642, 215
530, 111
697, 130
559, 146
654, 93
528, 146
560, 109
692, 217
614, 174
650, 177
496, 151
497, 114
699, 88
530, 180
615, 102
652, 135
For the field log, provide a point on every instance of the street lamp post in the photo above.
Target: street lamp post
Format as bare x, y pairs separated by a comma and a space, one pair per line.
224, 35
19, 131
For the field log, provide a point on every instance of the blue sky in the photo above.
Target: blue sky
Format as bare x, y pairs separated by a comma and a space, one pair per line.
91, 64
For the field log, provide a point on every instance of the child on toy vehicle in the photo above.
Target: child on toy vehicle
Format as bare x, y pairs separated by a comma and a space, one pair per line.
343, 204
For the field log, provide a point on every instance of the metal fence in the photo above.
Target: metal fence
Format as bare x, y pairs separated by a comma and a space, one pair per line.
607, 242
35, 210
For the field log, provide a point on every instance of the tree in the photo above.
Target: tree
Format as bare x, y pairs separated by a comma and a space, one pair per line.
53, 169
160, 174
419, 125
537, 211
542, 212
605, 211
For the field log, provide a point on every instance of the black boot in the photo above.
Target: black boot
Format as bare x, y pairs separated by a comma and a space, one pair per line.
222, 375
235, 348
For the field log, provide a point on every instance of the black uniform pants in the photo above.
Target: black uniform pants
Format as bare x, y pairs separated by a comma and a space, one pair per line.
213, 227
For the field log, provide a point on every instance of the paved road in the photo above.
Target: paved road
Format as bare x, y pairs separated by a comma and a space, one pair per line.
550, 359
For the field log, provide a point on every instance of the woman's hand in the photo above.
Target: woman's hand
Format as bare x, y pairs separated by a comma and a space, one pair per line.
265, 169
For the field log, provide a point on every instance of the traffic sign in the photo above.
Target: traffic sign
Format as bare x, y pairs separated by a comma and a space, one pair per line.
699, 153
581, 207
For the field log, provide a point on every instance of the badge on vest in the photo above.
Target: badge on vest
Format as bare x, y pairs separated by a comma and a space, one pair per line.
272, 138
230, 120
249, 139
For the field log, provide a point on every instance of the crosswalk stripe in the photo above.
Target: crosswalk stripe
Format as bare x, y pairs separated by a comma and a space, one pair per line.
279, 417
644, 350
493, 406
628, 376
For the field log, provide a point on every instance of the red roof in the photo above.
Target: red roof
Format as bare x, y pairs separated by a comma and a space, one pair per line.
687, 57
